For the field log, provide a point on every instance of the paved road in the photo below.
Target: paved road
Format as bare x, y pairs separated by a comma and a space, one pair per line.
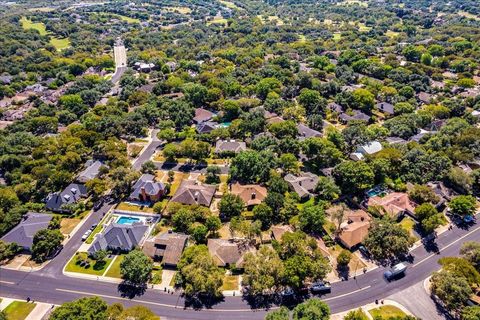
149, 151
52, 287
120, 55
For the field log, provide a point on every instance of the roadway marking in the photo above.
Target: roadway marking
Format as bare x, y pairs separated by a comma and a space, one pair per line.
7, 282
153, 303
446, 247
347, 294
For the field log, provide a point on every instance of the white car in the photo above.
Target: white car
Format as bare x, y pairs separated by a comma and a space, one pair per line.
86, 234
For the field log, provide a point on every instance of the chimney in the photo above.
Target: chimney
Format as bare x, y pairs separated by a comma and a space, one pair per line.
143, 193
196, 195
254, 195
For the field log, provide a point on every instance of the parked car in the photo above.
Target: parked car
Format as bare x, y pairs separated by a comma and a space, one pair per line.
93, 227
86, 234
396, 271
364, 251
321, 287
98, 205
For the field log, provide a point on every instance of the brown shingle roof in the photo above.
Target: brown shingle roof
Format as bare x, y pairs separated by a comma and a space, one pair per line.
226, 252
193, 192
355, 228
251, 194
167, 246
394, 203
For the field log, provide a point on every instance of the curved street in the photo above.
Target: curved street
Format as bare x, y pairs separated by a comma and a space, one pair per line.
51, 286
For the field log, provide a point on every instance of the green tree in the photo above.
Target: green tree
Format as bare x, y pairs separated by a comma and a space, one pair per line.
425, 211
453, 290
312, 309
267, 85
461, 267
199, 234
326, 189
213, 224
471, 251
136, 268
281, 314
182, 220
422, 193
45, 243
356, 315
148, 167
263, 271
230, 206
344, 257
312, 218
82, 309
198, 272
252, 166
385, 240
463, 205
471, 313
264, 214
354, 177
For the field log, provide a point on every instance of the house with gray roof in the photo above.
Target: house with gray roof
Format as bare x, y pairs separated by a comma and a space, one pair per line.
206, 127
303, 184
229, 146
56, 202
385, 107
146, 189
166, 247
119, 237
91, 171
202, 115
192, 192
23, 233
335, 107
355, 115
305, 132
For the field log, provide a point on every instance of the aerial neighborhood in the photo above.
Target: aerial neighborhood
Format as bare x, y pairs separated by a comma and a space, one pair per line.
283, 159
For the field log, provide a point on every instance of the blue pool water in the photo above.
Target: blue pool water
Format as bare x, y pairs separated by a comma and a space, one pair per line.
127, 220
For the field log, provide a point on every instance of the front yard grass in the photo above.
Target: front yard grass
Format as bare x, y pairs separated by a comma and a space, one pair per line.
156, 275
229, 283
96, 268
387, 312
68, 224
19, 310
408, 224
114, 271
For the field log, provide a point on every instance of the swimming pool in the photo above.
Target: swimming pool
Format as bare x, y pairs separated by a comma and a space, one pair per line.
127, 220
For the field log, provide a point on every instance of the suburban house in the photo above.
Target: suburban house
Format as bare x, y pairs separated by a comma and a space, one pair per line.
72, 194
385, 107
279, 231
251, 194
367, 149
166, 248
206, 127
229, 147
119, 237
228, 253
147, 190
335, 107
305, 132
91, 171
394, 204
303, 184
23, 233
443, 193
202, 115
354, 229
143, 66
356, 115
192, 192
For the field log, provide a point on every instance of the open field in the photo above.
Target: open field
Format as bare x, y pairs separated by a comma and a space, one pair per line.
60, 44
182, 10
468, 15
29, 24
230, 5
128, 19
392, 34
217, 20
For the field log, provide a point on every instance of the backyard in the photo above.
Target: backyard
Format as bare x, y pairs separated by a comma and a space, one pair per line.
19, 310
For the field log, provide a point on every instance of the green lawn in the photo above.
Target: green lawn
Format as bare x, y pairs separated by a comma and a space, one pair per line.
128, 19
229, 283
60, 44
132, 207
156, 275
95, 268
337, 36
217, 21
229, 4
29, 24
387, 312
19, 310
114, 271
408, 224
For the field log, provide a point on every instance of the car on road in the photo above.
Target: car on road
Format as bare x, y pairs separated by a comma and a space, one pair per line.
321, 287
86, 234
395, 272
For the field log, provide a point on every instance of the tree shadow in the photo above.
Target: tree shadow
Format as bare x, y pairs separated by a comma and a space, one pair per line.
130, 291
198, 302
262, 301
343, 272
